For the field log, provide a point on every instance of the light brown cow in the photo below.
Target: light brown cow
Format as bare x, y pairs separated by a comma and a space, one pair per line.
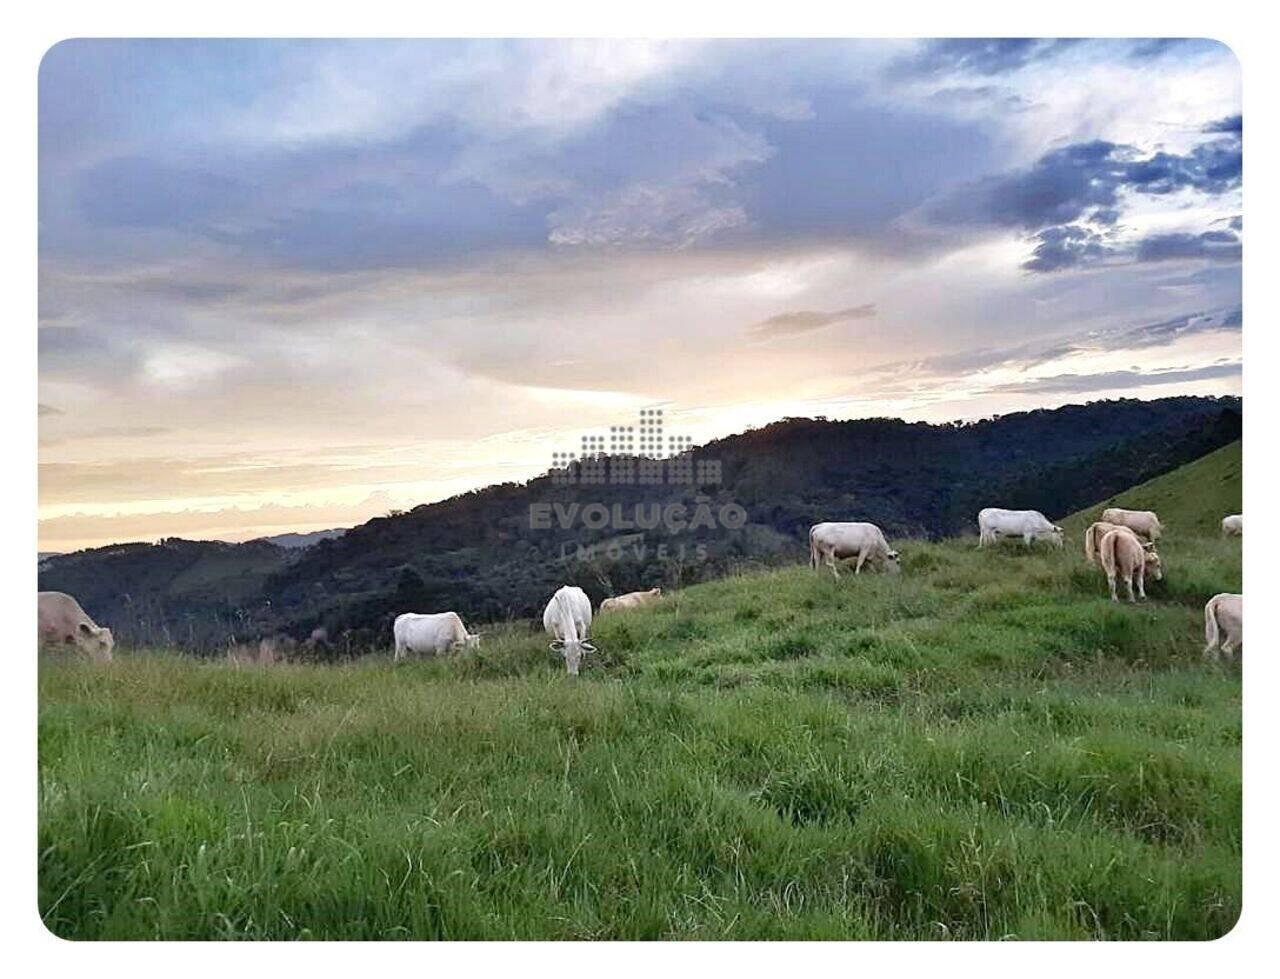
1093, 538
61, 621
1224, 624
1122, 553
1144, 523
635, 599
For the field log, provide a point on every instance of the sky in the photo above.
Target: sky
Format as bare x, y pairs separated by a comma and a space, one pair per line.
290, 285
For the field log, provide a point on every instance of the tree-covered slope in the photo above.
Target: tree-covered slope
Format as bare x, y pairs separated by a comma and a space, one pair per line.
481, 555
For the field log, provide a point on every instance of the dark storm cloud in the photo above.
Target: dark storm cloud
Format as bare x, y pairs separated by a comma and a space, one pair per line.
1086, 180
1227, 124
1065, 246
805, 321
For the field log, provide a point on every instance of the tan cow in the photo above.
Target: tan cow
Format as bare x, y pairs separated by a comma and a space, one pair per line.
1122, 553
635, 599
1233, 526
1144, 523
61, 621
1224, 624
1093, 538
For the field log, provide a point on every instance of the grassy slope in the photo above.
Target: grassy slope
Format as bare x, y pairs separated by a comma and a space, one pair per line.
981, 747
1189, 500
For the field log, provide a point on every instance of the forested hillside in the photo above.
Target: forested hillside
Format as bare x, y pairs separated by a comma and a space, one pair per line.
480, 554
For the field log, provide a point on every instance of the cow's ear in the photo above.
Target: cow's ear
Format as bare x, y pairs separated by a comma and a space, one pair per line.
86, 629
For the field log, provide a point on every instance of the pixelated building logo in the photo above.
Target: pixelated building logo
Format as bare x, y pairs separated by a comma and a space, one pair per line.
635, 455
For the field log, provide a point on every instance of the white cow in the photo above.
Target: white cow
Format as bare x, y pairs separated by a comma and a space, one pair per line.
832, 542
61, 620
434, 633
635, 599
567, 620
1233, 526
1144, 523
1030, 525
1224, 624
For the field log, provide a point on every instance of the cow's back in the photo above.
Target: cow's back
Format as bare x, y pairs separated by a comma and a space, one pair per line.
848, 538
59, 615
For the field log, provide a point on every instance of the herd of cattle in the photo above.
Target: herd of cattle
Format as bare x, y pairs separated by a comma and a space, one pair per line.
1123, 542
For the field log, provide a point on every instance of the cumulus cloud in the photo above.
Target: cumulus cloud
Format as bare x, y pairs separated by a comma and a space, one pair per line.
805, 321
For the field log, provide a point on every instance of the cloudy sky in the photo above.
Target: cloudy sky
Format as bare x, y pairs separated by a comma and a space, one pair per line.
292, 285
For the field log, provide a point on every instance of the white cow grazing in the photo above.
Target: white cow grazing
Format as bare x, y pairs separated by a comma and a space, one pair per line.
1224, 624
1030, 525
832, 542
1233, 526
61, 620
1122, 554
635, 599
1144, 523
567, 620
435, 633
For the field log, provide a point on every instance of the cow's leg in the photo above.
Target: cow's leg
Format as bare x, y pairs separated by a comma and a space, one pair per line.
1128, 583
862, 557
399, 651
1229, 649
1027, 539
831, 562
1111, 581
1142, 583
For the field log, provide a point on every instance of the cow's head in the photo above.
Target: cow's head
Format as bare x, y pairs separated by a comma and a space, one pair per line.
96, 641
1154, 566
655, 592
472, 641
572, 650
893, 562
1057, 535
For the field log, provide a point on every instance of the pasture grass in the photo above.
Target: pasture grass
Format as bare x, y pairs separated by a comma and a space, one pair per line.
982, 747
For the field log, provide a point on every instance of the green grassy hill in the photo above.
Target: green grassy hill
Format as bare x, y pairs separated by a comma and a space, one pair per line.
1192, 499
981, 747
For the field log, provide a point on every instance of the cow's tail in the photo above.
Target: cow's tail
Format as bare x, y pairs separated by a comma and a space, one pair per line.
1089, 544
813, 551
1211, 623
1107, 549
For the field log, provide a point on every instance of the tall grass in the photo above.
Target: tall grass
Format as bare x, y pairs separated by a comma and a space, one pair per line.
982, 747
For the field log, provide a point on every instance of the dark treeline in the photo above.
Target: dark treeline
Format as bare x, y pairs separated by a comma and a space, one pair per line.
482, 555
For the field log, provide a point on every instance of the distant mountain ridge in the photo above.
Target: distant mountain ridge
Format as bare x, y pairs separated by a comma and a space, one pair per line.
483, 555
304, 539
